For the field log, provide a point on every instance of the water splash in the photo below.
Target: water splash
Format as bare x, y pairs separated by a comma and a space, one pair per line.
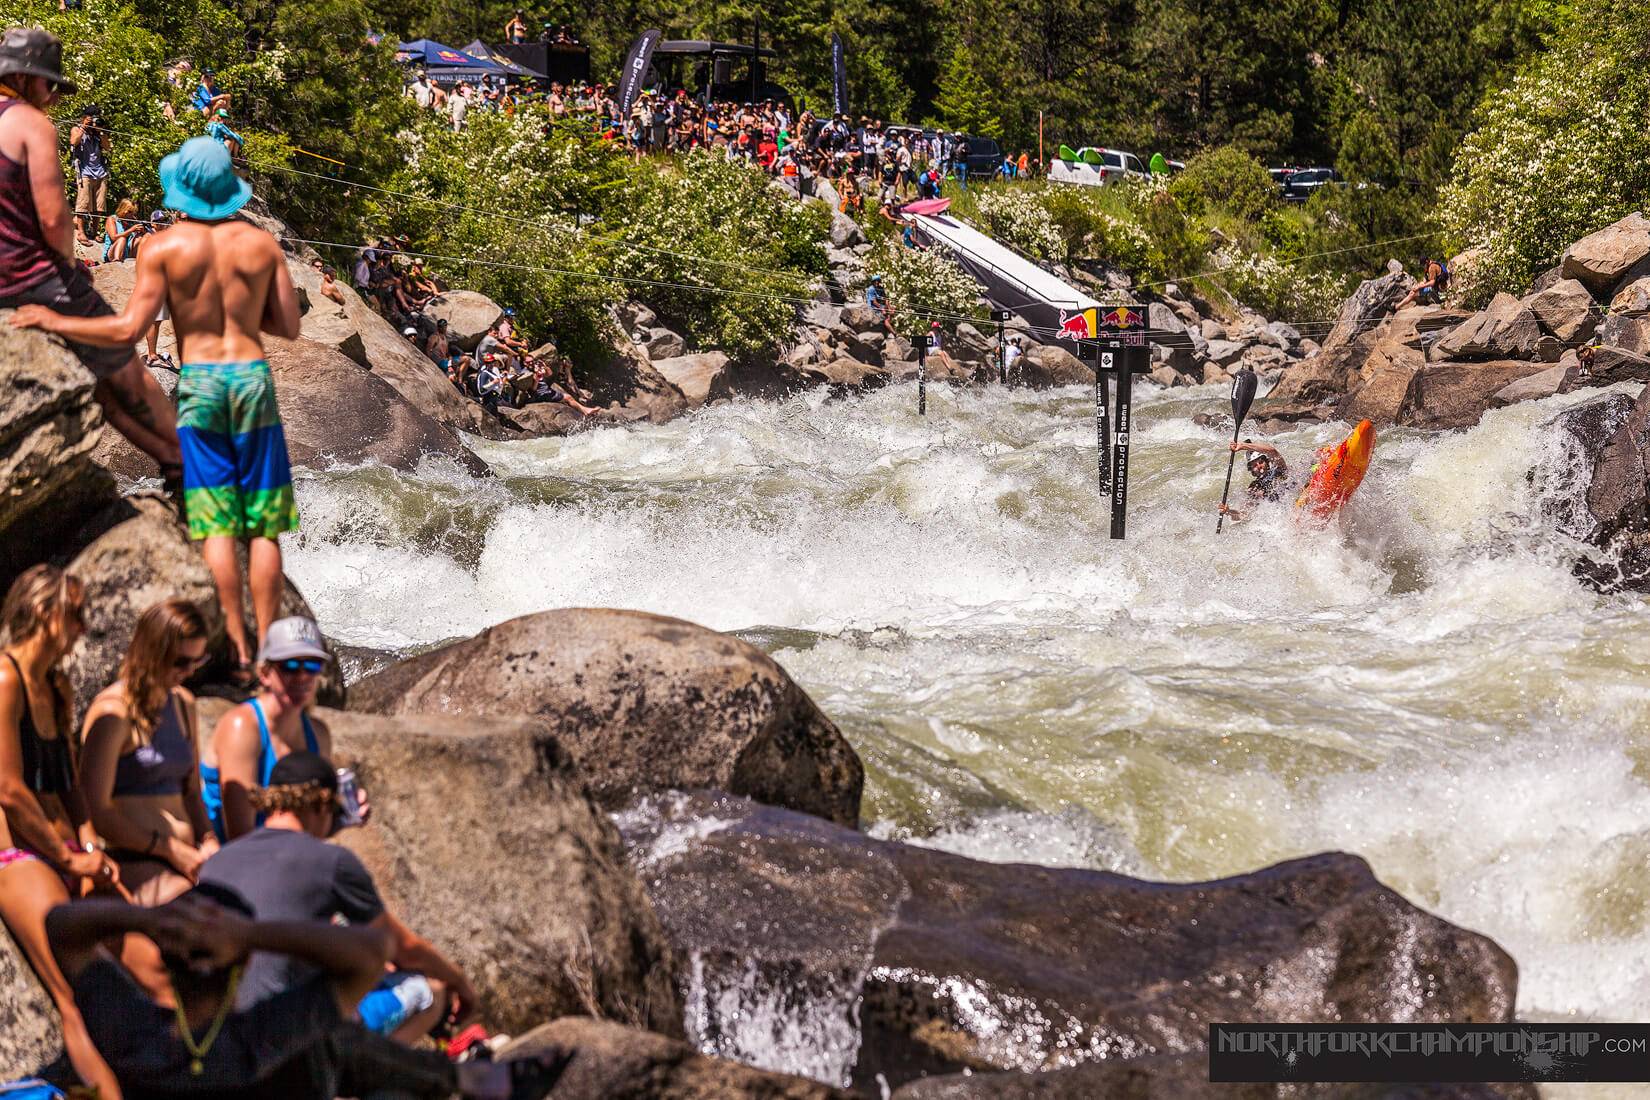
1424, 684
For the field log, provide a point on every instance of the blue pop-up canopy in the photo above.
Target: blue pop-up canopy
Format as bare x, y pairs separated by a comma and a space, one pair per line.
444, 62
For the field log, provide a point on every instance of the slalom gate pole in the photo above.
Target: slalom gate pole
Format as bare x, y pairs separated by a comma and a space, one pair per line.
1102, 426
1120, 456
922, 374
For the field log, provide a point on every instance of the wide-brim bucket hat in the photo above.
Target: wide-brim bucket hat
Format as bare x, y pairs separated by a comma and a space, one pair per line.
200, 181
30, 51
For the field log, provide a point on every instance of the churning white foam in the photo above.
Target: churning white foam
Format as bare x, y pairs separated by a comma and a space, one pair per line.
1423, 683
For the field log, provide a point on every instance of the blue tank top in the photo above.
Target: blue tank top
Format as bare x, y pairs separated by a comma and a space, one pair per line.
160, 766
212, 793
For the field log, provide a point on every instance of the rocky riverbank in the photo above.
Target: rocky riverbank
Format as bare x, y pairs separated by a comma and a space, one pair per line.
529, 782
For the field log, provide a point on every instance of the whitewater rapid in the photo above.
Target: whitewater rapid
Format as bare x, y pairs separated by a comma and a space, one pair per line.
1424, 684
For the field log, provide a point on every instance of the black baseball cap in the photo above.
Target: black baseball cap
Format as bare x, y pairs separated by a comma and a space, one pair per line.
299, 769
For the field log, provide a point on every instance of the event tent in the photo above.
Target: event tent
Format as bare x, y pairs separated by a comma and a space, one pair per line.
445, 64
480, 49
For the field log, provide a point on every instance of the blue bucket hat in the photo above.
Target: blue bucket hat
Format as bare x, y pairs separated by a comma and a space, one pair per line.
200, 181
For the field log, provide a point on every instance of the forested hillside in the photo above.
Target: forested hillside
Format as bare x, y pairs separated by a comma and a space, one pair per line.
1386, 87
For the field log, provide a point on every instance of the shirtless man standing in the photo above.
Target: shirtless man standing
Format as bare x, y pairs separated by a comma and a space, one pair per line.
226, 282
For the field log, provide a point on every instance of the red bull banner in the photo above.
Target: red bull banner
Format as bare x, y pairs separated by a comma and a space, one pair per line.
1082, 325
1123, 317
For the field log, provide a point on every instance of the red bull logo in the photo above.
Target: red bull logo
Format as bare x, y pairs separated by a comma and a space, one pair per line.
1123, 317
1077, 326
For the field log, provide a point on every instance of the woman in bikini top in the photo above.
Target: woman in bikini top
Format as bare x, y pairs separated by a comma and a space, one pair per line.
139, 767
46, 845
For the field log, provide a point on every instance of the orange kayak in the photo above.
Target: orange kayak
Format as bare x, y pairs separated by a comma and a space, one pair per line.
1337, 472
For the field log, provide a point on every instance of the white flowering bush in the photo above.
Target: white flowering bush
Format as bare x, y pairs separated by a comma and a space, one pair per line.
1277, 289
1016, 217
1561, 152
922, 280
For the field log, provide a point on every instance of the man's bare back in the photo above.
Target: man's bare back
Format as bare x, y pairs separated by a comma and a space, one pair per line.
226, 283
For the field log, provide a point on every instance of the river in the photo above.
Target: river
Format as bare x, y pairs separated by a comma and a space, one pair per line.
1424, 683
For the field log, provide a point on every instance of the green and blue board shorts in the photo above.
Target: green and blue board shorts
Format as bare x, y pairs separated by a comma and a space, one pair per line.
236, 477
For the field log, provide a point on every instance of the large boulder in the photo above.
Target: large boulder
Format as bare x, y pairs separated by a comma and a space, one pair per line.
643, 703
545, 419
844, 372
30, 1036
1566, 309
1602, 260
1456, 395
627, 380
700, 377
845, 232
49, 429
1566, 472
468, 315
661, 343
946, 963
1505, 328
392, 357
860, 317
1610, 365
132, 556
1618, 502
1180, 1077
484, 842
609, 1060
1327, 376
336, 411
1535, 387
330, 326
1048, 366
1633, 299
1625, 332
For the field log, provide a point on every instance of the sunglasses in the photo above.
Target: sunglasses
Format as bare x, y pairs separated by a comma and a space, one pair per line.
301, 664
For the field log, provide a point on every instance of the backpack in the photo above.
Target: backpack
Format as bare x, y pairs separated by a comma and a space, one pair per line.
1443, 275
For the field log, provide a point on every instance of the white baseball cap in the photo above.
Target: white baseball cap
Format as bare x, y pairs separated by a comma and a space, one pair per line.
293, 637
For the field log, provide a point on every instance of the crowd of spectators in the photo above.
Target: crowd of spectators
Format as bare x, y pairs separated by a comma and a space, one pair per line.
500, 371
882, 160
176, 897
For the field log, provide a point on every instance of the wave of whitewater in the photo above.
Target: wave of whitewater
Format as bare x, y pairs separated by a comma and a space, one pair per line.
1424, 684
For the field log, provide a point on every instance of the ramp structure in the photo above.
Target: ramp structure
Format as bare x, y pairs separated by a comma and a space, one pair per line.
1046, 302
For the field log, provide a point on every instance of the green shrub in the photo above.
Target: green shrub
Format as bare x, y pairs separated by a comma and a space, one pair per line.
923, 280
1225, 178
1017, 218
1561, 152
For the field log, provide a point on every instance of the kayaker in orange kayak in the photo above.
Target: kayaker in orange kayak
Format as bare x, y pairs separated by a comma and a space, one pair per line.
1269, 476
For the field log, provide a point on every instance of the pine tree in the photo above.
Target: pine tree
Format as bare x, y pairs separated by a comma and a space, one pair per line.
965, 101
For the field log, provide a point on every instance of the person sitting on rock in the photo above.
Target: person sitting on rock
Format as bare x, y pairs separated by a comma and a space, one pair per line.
253, 737
439, 347
329, 285
507, 335
489, 379
47, 843
545, 390
1269, 476
1429, 291
140, 767
287, 871
302, 1043
877, 298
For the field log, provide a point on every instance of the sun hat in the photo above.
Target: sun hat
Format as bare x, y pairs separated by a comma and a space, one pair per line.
294, 636
200, 181
30, 51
